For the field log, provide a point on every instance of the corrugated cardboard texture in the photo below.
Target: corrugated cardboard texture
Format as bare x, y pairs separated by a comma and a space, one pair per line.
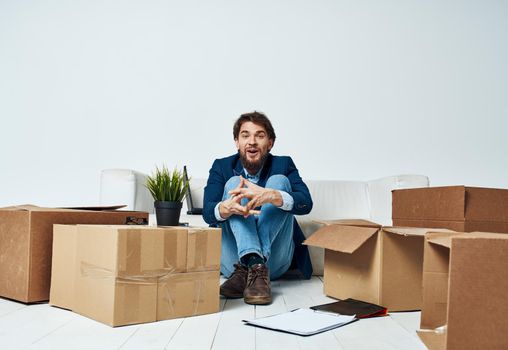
354, 275
95, 274
188, 294
117, 284
26, 236
382, 266
435, 279
477, 299
459, 226
63, 262
14, 254
438, 203
401, 281
121, 271
457, 208
204, 247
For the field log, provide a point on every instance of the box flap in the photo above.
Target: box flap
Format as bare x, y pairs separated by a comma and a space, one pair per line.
439, 239
22, 207
412, 231
98, 208
31, 207
341, 238
348, 222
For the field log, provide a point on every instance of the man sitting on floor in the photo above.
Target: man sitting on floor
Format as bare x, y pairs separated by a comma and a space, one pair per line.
253, 196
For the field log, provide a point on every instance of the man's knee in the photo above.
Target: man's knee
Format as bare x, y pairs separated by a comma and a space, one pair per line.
278, 182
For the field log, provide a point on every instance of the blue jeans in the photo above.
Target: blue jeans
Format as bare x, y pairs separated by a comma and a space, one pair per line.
269, 234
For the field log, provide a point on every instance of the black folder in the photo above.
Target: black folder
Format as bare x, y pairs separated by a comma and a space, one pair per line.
351, 306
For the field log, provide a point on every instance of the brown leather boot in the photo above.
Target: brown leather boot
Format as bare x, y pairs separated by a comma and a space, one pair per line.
235, 285
258, 290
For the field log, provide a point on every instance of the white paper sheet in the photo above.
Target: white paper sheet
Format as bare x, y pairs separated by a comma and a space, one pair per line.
302, 321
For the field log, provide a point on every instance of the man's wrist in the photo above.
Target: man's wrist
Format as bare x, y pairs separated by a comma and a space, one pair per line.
277, 199
224, 214
218, 215
287, 201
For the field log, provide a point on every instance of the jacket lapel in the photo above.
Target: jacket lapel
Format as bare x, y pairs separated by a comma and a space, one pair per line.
238, 170
267, 169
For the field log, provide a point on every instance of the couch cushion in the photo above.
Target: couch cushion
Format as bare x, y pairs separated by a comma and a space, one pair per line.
333, 200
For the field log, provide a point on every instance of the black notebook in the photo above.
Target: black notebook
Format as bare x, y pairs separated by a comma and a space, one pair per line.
350, 306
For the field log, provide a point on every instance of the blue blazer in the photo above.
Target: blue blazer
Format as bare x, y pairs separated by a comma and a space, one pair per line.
223, 169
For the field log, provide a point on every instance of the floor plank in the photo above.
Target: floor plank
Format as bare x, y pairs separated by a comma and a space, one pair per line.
299, 295
28, 325
231, 331
196, 332
8, 306
84, 333
41, 326
266, 339
153, 336
376, 333
409, 320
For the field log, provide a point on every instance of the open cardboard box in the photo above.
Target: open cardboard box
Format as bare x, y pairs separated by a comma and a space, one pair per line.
458, 208
122, 275
26, 236
465, 281
364, 261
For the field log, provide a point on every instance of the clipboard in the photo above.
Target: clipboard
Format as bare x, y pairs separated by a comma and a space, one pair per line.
304, 322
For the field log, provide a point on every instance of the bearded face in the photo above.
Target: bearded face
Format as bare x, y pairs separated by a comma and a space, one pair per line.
253, 145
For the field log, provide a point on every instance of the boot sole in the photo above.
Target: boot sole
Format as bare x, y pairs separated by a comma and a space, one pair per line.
231, 296
260, 300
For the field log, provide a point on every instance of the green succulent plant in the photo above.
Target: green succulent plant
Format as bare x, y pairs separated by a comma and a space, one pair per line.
167, 186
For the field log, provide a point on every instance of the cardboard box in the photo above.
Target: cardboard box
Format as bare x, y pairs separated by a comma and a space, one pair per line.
122, 275
458, 208
26, 234
381, 265
464, 290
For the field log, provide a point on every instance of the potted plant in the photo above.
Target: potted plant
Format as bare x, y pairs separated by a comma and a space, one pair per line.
168, 189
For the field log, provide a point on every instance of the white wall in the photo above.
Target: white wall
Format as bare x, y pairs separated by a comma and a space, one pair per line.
355, 89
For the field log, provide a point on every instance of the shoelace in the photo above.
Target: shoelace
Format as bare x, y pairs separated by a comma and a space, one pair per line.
254, 274
240, 269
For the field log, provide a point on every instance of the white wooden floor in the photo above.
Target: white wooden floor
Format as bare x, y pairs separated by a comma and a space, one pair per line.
41, 326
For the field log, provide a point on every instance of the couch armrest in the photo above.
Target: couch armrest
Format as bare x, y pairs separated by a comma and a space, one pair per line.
125, 186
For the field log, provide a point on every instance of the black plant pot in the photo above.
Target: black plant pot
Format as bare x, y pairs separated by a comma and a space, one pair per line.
167, 213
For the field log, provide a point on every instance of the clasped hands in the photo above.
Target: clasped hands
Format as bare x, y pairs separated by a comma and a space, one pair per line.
257, 196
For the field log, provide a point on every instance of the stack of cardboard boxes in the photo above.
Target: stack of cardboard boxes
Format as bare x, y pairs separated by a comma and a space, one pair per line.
458, 280
107, 264
465, 275
122, 275
26, 236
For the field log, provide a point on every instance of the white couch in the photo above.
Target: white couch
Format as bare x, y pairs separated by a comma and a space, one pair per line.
335, 199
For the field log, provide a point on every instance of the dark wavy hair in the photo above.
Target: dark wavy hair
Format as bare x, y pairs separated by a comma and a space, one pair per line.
256, 118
